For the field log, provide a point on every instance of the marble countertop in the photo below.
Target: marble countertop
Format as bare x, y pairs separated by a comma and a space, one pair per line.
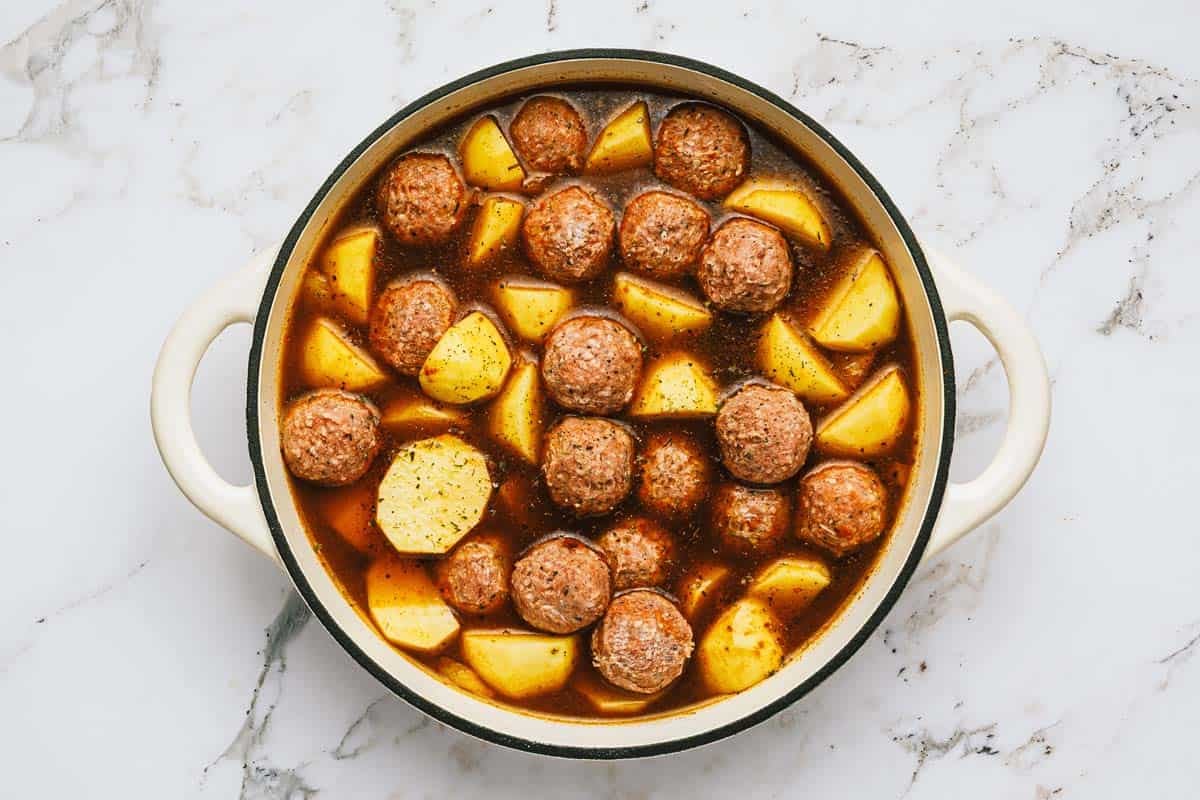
151, 146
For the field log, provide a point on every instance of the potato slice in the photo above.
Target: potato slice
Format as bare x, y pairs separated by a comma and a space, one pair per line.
785, 204
602, 696
700, 587
415, 414
661, 312
624, 143
516, 416
349, 264
862, 312
350, 512
676, 386
787, 357
520, 664
329, 358
463, 677
407, 607
790, 583
740, 648
487, 158
433, 494
469, 363
495, 229
871, 422
531, 307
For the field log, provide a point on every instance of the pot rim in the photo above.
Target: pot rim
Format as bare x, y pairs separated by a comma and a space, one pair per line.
468, 726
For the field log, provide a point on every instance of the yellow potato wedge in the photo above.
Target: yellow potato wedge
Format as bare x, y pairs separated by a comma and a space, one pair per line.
495, 229
676, 386
740, 648
790, 583
872, 422
623, 144
487, 158
407, 607
350, 512
415, 414
349, 264
862, 312
531, 307
435, 491
602, 696
787, 357
700, 587
520, 664
463, 677
330, 358
469, 363
785, 204
516, 416
661, 312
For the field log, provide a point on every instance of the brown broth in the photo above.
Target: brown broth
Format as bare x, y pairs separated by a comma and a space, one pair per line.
724, 345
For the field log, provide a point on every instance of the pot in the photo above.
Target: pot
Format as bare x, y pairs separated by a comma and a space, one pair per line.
934, 514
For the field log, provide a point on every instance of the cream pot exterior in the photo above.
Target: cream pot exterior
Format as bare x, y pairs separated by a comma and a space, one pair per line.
933, 515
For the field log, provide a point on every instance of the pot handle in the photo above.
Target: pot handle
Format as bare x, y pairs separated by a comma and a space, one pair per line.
233, 300
967, 505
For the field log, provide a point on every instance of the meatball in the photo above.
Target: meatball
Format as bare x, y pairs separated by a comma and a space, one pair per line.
408, 319
643, 643
701, 150
330, 437
662, 234
561, 584
549, 136
474, 577
675, 475
640, 553
842, 506
749, 521
587, 463
568, 235
421, 199
591, 364
745, 267
764, 433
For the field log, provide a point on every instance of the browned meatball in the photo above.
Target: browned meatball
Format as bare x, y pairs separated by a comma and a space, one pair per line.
591, 364
421, 199
643, 643
330, 437
561, 584
764, 433
474, 577
842, 506
748, 521
701, 150
662, 234
408, 319
675, 475
640, 552
549, 135
587, 464
569, 235
745, 267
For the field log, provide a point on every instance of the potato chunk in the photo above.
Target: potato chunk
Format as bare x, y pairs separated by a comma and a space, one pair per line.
661, 312
740, 648
469, 363
520, 664
862, 312
785, 204
789, 584
871, 422
605, 698
315, 290
676, 386
700, 587
350, 512
407, 607
329, 358
516, 416
531, 307
495, 229
433, 494
787, 357
349, 264
414, 414
463, 677
487, 158
624, 143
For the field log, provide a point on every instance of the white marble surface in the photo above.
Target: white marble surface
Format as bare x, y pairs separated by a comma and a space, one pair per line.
150, 146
